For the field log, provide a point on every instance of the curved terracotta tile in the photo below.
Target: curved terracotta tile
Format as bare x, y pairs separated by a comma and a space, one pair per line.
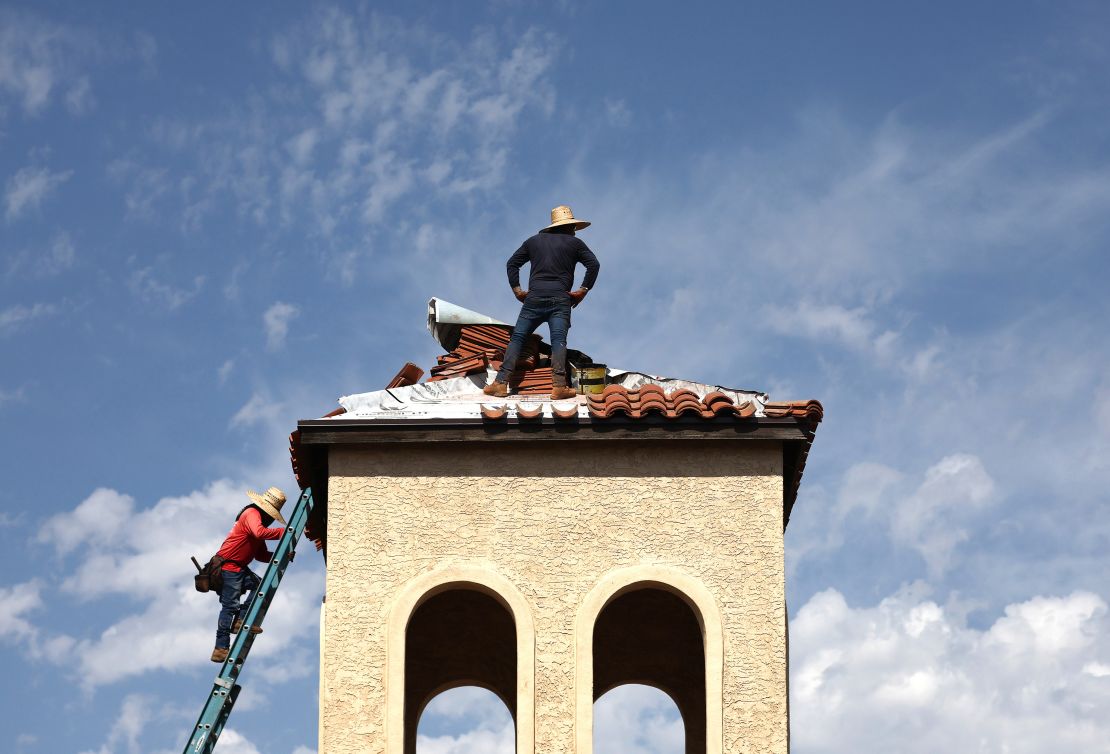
529, 411
715, 398
613, 390
568, 410
687, 401
651, 402
646, 390
682, 394
745, 409
492, 412
618, 404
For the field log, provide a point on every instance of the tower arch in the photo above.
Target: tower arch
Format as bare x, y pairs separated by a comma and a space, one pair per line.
615, 618
471, 592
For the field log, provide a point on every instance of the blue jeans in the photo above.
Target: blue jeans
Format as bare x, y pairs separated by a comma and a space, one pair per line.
555, 311
236, 584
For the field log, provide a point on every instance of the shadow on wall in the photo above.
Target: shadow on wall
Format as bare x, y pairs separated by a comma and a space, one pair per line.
550, 459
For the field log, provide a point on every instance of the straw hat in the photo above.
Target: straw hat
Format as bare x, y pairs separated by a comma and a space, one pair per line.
270, 501
562, 215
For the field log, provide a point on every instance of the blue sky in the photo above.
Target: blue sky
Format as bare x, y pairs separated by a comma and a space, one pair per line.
215, 221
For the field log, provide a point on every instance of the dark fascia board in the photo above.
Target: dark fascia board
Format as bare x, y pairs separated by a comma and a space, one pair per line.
372, 431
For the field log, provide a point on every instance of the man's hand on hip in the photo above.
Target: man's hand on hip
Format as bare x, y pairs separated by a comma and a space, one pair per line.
520, 294
577, 296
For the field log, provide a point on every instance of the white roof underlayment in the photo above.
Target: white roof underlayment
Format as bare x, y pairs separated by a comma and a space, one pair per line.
461, 397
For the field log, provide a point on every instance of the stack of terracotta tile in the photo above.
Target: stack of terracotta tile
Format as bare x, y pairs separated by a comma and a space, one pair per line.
530, 381
483, 346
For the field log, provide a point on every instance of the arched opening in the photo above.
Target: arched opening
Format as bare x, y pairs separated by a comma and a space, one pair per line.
651, 636
465, 719
457, 637
634, 717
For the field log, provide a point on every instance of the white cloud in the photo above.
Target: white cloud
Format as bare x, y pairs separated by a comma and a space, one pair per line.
387, 126
301, 146
277, 319
476, 722
909, 675
94, 522
15, 602
28, 187
134, 715
934, 518
234, 742
58, 257
15, 317
32, 55
225, 370
259, 409
145, 186
849, 327
153, 291
635, 719
142, 554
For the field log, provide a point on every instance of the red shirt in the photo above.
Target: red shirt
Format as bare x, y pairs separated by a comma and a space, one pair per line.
245, 543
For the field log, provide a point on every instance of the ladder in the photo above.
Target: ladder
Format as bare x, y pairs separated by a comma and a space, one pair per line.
225, 690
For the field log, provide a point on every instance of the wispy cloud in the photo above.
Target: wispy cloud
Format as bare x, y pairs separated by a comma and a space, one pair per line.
260, 409
28, 188
277, 319
386, 126
151, 290
58, 256
16, 317
37, 58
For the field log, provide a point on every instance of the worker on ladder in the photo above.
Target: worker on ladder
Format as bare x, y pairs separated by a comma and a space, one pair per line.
244, 543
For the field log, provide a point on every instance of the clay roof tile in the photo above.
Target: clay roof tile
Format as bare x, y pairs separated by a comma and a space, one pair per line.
493, 412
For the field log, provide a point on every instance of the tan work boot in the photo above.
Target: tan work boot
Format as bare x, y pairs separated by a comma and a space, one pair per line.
496, 389
238, 625
561, 392
219, 654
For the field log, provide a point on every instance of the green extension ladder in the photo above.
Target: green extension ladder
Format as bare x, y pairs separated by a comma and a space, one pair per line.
225, 690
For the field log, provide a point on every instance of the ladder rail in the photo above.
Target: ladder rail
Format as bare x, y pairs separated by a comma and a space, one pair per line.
225, 690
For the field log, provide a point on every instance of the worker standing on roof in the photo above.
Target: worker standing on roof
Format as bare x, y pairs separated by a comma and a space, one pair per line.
553, 253
244, 543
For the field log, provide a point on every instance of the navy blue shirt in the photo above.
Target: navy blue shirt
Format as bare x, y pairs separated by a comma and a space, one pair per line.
553, 257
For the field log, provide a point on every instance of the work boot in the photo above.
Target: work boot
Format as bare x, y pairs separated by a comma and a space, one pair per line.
496, 389
562, 392
238, 624
219, 654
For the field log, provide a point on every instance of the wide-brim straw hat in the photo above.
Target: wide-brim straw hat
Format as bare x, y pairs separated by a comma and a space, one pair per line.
562, 215
270, 501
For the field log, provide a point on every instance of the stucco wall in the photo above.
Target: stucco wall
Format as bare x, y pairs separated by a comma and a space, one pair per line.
554, 518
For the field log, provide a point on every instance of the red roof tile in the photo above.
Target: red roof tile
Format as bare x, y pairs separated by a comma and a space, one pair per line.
410, 374
492, 412
812, 410
652, 400
529, 410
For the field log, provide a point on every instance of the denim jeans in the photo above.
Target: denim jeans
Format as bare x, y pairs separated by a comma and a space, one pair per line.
236, 584
555, 311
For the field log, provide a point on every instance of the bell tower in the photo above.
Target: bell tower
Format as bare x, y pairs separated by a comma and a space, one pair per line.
552, 552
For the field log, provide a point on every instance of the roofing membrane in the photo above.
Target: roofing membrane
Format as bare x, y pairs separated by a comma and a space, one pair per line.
462, 398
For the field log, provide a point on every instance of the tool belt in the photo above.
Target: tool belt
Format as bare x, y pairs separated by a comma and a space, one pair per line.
210, 576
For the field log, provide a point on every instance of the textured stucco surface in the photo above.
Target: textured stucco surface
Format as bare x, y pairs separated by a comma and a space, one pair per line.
553, 519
